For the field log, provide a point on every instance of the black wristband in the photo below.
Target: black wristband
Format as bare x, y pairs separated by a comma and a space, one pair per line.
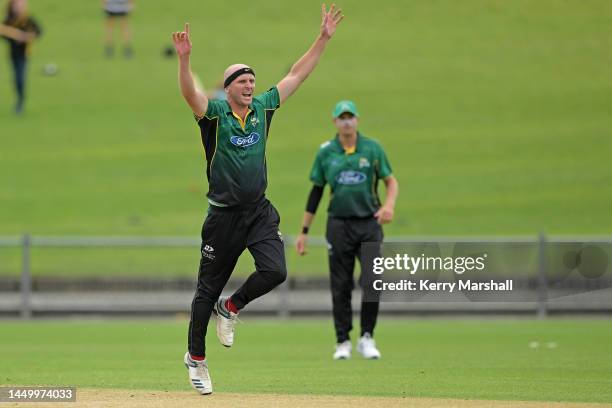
304, 230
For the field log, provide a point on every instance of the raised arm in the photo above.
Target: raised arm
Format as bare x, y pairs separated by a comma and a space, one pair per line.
195, 97
305, 65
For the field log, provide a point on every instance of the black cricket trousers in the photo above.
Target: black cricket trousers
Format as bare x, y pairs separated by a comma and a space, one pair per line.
344, 239
19, 63
226, 233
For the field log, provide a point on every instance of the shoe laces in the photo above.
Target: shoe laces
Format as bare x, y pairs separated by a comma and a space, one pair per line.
202, 370
201, 367
234, 317
368, 341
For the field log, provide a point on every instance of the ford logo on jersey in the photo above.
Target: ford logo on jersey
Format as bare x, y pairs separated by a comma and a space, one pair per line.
350, 177
245, 141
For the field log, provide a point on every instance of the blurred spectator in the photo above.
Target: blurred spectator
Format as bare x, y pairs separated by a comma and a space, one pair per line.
218, 92
20, 30
118, 11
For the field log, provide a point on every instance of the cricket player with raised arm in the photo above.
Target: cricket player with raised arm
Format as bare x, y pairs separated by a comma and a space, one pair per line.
234, 134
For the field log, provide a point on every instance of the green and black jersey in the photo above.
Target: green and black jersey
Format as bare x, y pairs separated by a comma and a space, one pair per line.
353, 176
236, 150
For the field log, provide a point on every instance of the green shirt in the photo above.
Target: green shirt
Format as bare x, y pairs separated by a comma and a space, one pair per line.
236, 151
353, 177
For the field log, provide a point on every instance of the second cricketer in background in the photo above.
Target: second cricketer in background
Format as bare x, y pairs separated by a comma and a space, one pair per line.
234, 134
352, 164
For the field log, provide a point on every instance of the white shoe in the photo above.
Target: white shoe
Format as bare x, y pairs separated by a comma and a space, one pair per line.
343, 350
198, 375
367, 347
226, 321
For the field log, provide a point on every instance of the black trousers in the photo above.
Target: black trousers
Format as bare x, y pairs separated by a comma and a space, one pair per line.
19, 63
226, 233
344, 239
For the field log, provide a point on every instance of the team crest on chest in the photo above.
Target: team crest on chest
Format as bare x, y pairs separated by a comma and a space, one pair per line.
254, 121
363, 162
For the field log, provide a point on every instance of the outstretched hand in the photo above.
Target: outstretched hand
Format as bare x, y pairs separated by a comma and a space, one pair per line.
182, 43
330, 20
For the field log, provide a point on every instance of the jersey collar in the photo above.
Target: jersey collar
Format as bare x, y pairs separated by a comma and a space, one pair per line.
340, 148
227, 109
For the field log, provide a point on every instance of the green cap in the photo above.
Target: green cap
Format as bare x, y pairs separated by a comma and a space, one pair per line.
345, 107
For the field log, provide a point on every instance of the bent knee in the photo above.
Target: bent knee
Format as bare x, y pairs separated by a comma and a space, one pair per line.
277, 276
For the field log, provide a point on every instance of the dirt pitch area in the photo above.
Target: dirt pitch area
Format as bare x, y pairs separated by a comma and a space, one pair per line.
137, 398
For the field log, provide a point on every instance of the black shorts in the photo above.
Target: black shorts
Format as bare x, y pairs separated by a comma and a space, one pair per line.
113, 14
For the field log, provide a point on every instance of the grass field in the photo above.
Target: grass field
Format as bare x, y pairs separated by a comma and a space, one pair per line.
461, 359
495, 116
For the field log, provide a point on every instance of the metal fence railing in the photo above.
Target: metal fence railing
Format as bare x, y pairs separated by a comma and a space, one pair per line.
284, 295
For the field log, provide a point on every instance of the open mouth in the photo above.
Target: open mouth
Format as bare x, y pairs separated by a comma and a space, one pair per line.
247, 95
